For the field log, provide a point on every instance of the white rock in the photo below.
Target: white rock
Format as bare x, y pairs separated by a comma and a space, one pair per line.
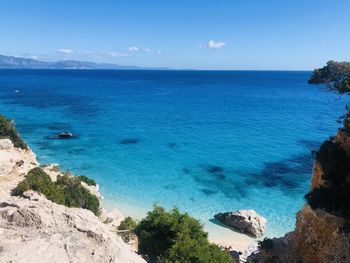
34, 229
6, 144
245, 221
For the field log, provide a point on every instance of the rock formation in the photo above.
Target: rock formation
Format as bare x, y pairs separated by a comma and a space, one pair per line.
34, 229
245, 221
319, 236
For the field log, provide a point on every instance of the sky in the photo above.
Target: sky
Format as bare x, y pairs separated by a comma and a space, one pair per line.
182, 34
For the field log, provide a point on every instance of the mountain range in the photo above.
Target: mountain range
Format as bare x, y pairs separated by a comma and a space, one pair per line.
27, 63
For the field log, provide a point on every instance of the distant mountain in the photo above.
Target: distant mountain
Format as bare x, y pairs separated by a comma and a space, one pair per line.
26, 63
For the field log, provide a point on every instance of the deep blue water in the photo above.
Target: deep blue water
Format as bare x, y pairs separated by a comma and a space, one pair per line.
204, 141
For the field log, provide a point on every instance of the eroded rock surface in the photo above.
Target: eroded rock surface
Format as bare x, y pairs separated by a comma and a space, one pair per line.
246, 221
34, 229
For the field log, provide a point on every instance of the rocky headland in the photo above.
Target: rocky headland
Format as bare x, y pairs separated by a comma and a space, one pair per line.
35, 229
322, 226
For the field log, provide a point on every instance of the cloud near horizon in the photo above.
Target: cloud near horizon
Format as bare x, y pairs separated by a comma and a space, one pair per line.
133, 49
66, 51
213, 44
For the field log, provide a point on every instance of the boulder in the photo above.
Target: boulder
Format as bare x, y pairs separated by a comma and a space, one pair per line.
5, 144
245, 221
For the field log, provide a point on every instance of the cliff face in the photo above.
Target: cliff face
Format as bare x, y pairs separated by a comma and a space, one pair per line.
320, 236
34, 229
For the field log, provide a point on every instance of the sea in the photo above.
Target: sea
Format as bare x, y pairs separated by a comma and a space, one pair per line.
202, 141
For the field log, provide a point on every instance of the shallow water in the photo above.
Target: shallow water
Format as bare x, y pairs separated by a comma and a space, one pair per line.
204, 141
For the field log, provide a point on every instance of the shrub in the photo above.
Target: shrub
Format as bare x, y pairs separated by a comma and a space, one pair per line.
128, 224
336, 75
8, 131
66, 190
39, 181
75, 195
87, 180
265, 244
176, 237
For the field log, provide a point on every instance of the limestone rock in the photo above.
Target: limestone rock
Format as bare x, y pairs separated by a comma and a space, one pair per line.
6, 144
245, 221
34, 229
319, 237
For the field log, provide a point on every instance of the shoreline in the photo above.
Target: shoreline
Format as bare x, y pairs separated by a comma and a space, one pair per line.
217, 234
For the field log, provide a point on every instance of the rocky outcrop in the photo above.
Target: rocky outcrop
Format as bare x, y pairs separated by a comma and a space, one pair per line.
245, 221
15, 163
33, 229
319, 238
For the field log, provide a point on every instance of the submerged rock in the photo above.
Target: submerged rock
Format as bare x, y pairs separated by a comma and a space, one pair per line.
246, 221
62, 135
129, 141
65, 135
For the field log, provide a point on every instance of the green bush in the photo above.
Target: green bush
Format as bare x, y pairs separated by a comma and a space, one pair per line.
336, 75
128, 224
39, 181
265, 244
75, 195
66, 190
176, 237
87, 180
8, 131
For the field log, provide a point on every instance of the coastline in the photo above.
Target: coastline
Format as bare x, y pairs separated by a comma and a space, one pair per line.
217, 234
109, 209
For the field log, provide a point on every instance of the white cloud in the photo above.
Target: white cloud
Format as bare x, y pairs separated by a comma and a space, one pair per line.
213, 44
119, 54
152, 51
65, 51
133, 49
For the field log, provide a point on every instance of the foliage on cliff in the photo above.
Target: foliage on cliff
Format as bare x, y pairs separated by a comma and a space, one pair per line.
8, 131
66, 190
333, 157
87, 180
336, 75
176, 237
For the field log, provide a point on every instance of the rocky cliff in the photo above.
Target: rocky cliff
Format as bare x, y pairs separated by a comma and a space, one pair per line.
322, 232
34, 229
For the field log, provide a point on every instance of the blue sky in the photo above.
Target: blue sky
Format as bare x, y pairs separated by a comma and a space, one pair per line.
200, 34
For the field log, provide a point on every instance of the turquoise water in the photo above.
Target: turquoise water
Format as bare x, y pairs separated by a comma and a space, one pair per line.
204, 141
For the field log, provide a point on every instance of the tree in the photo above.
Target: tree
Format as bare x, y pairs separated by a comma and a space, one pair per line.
8, 131
336, 75
176, 237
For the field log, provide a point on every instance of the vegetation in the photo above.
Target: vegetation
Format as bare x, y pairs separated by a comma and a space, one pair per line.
336, 75
127, 229
128, 224
67, 190
8, 131
87, 180
265, 244
334, 195
176, 237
